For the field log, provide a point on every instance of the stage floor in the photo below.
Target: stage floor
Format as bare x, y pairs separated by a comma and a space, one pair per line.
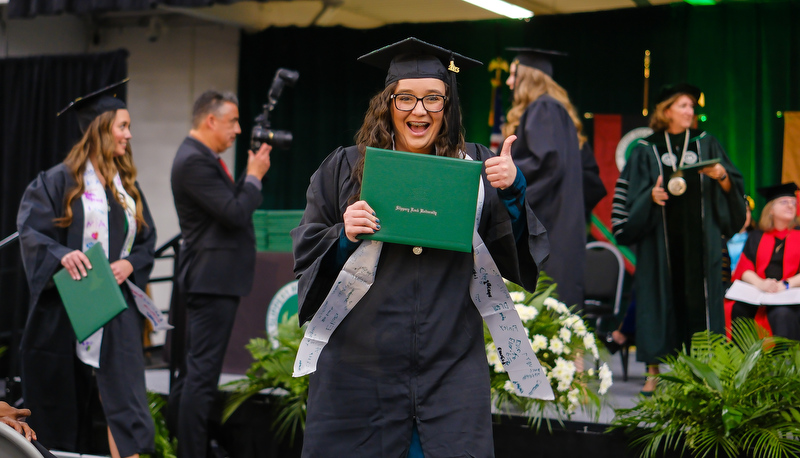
620, 395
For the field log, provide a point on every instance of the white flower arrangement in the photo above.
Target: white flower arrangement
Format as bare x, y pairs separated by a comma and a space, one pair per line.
564, 345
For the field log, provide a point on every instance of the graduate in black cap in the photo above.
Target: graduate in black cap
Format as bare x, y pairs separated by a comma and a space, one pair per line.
549, 151
770, 260
677, 218
92, 197
405, 373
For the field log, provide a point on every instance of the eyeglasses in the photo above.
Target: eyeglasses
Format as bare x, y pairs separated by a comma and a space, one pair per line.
790, 201
406, 102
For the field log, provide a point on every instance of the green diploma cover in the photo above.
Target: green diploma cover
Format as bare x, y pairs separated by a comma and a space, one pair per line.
420, 199
94, 300
701, 165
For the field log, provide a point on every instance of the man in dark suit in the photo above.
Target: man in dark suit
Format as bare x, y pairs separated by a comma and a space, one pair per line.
216, 262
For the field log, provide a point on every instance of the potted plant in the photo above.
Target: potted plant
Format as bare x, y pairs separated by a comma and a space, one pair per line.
273, 362
567, 350
723, 398
561, 339
166, 447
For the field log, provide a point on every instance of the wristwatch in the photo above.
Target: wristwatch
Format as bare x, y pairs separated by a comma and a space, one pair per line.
786, 283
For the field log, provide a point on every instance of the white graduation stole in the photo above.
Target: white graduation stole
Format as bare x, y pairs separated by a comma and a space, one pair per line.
95, 230
488, 292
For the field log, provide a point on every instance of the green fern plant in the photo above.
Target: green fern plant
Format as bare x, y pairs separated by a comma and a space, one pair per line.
272, 369
723, 398
165, 447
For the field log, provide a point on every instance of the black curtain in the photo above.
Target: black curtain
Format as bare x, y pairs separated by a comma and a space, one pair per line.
31, 8
33, 139
744, 55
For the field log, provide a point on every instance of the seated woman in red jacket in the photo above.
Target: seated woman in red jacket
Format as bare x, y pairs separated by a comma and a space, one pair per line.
771, 259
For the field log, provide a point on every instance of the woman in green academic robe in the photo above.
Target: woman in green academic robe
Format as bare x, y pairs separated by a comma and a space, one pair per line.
676, 220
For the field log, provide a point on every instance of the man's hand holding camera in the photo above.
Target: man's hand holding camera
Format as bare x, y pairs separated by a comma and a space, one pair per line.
258, 163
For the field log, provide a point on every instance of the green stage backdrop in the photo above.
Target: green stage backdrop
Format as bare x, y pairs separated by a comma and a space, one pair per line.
744, 56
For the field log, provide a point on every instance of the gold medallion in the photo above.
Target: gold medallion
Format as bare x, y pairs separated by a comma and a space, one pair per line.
417, 250
676, 185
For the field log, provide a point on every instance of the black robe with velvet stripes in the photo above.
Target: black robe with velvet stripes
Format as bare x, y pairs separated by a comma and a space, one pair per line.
412, 350
56, 384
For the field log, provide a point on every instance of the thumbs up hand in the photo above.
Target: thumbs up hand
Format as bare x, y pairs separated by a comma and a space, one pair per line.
500, 170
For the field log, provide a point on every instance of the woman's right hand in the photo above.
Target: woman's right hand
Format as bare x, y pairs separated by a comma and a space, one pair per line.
359, 218
76, 264
658, 194
770, 285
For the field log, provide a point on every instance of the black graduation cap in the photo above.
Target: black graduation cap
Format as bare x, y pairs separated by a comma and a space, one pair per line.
778, 190
92, 105
540, 59
413, 58
681, 88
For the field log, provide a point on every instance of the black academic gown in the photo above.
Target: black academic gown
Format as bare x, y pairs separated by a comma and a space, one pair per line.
56, 385
678, 277
547, 152
593, 188
412, 349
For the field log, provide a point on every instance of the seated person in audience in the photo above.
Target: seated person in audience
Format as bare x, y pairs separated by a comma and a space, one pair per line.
14, 418
771, 258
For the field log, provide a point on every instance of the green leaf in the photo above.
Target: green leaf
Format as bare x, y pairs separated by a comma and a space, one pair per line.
750, 360
731, 418
703, 371
672, 379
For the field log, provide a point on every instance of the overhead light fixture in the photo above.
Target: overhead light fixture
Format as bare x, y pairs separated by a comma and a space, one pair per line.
502, 8
701, 2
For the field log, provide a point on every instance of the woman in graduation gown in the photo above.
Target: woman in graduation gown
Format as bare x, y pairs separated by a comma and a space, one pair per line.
676, 220
557, 163
91, 197
405, 373
770, 260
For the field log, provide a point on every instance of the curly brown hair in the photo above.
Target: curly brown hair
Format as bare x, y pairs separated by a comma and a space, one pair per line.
376, 131
529, 85
99, 139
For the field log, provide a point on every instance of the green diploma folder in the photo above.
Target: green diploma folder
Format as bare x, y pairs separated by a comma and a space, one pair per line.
701, 165
420, 199
94, 300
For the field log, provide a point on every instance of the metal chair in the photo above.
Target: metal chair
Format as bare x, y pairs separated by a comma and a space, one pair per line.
14, 444
605, 271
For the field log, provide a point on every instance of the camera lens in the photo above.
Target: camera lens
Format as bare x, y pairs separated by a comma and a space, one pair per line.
280, 139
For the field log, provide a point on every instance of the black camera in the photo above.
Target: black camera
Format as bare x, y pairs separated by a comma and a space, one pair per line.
262, 133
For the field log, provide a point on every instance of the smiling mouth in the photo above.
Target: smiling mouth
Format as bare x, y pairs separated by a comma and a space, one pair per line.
418, 127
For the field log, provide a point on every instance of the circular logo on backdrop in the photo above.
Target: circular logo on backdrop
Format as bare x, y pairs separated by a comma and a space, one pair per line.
626, 144
282, 306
